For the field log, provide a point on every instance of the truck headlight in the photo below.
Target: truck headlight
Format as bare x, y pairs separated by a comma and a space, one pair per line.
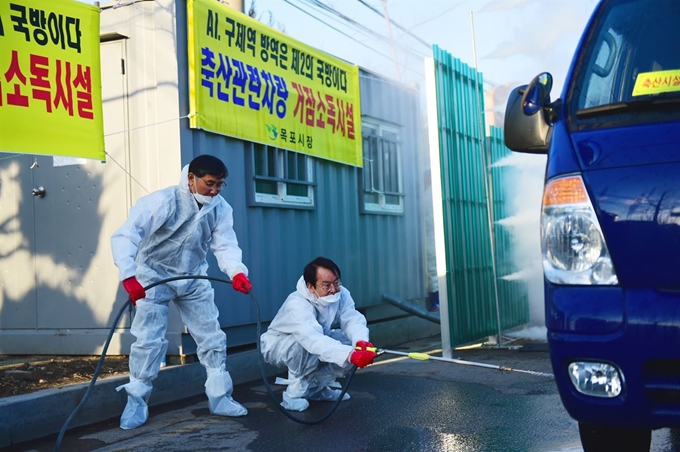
595, 379
574, 248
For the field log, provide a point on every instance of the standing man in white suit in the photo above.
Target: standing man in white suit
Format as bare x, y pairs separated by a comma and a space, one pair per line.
168, 233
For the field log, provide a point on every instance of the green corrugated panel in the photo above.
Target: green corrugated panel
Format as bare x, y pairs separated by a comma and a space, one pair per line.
469, 257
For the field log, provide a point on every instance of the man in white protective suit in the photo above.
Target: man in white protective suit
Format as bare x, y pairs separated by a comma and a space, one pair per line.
168, 233
301, 337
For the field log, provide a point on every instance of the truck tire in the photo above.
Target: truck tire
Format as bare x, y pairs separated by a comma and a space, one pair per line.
597, 438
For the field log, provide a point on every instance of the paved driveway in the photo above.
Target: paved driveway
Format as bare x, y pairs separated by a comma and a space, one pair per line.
398, 404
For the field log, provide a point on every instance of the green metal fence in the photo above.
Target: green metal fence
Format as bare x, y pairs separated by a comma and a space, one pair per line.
479, 299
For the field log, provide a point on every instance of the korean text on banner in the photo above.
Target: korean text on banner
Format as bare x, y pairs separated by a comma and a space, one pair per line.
249, 81
50, 81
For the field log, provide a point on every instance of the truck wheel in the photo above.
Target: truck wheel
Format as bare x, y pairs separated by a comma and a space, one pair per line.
596, 438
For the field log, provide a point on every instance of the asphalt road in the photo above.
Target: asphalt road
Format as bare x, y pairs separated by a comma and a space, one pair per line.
397, 404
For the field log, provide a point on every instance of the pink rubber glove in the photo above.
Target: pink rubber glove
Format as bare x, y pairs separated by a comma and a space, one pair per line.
241, 283
361, 358
134, 289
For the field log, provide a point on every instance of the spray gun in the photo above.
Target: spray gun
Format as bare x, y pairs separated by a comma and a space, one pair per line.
426, 357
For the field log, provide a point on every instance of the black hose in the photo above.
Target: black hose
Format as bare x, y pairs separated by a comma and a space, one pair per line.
260, 361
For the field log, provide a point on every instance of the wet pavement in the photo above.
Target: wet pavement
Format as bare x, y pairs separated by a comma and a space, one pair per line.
397, 404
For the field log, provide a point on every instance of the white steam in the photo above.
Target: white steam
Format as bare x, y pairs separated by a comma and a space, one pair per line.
524, 189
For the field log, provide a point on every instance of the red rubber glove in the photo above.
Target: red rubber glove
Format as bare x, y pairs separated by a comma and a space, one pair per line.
365, 345
362, 358
134, 289
241, 283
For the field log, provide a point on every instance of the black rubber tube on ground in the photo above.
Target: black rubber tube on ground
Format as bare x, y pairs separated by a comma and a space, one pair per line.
260, 361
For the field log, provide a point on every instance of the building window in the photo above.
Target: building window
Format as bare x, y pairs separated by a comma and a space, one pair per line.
381, 176
282, 177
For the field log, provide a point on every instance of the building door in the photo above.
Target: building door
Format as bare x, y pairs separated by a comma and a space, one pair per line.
17, 248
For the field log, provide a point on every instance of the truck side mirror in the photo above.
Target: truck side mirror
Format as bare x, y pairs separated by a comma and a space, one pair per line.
529, 116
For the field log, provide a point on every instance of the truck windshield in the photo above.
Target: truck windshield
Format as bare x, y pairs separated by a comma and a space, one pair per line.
628, 69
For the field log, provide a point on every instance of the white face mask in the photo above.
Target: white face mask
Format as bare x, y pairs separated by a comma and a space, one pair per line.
203, 199
328, 299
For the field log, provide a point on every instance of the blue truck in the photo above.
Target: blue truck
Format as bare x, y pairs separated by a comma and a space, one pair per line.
610, 221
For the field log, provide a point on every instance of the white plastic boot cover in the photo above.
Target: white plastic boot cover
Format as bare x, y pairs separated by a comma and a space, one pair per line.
136, 411
328, 394
293, 396
324, 387
218, 388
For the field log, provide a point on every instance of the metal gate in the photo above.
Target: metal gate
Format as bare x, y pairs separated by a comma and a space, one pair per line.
479, 302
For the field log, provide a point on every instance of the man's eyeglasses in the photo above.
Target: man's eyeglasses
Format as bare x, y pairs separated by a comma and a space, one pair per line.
213, 185
326, 286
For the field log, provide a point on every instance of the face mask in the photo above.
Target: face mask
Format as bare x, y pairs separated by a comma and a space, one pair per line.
203, 199
328, 299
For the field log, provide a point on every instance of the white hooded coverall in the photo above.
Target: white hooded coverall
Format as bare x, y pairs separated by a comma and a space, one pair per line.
300, 337
166, 235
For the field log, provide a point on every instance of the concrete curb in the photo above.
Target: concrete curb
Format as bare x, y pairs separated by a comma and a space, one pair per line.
37, 415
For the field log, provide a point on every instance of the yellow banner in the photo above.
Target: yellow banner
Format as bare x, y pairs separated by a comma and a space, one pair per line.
657, 82
249, 81
50, 81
